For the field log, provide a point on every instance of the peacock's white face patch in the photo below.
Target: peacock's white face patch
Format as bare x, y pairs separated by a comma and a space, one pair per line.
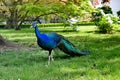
34, 24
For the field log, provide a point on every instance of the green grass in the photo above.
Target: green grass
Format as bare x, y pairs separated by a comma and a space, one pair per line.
103, 63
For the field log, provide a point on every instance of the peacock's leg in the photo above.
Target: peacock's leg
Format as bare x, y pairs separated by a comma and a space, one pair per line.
49, 57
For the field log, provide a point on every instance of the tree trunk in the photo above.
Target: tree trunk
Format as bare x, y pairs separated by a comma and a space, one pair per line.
2, 41
16, 22
12, 21
8, 24
15, 18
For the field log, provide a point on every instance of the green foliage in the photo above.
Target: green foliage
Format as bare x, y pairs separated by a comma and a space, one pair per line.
96, 16
114, 19
107, 9
54, 24
118, 13
2, 26
33, 8
70, 9
105, 24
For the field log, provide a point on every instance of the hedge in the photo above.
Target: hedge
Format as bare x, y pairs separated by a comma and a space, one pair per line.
58, 24
2, 25
53, 24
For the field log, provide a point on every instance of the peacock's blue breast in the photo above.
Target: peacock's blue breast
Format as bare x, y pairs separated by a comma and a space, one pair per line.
46, 42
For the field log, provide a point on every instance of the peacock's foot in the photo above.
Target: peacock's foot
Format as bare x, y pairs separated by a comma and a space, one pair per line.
52, 59
46, 65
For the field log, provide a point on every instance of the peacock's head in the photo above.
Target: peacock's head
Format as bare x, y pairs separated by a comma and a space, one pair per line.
34, 24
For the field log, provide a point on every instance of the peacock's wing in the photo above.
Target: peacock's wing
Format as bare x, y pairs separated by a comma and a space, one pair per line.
67, 47
46, 42
55, 37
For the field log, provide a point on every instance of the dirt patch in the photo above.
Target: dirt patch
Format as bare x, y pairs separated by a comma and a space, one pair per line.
7, 45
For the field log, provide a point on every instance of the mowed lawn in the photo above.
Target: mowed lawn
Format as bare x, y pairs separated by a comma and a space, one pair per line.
103, 63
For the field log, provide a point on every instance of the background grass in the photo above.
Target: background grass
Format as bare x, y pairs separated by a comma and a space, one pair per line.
101, 64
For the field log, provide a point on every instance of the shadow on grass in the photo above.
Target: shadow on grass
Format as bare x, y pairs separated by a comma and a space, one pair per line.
101, 48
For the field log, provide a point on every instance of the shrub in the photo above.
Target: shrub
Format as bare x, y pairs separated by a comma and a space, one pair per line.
96, 16
107, 9
106, 26
2, 25
118, 13
114, 19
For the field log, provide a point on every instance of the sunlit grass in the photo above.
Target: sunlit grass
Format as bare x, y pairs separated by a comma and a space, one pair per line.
101, 64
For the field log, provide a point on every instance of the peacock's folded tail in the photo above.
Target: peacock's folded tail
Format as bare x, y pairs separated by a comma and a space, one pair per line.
67, 47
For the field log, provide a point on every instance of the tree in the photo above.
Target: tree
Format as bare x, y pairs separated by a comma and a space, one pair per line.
63, 8
105, 1
118, 13
14, 16
17, 10
107, 9
95, 3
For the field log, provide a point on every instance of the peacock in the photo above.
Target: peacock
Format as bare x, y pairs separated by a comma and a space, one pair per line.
53, 40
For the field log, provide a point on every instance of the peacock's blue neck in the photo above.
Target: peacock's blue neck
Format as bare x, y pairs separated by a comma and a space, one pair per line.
37, 32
